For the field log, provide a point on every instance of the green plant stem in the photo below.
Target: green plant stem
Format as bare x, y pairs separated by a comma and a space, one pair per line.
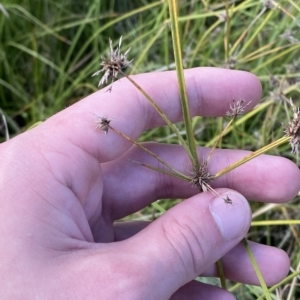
221, 274
284, 281
181, 82
252, 155
257, 270
219, 139
162, 114
275, 222
178, 174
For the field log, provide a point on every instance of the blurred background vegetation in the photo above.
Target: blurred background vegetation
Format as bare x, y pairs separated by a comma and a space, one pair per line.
49, 49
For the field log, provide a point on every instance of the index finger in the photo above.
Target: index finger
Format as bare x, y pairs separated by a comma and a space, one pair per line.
210, 92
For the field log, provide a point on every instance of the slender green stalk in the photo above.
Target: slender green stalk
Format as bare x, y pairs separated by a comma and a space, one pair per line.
252, 155
182, 88
162, 114
227, 32
158, 207
275, 222
257, 270
221, 274
36, 55
276, 57
219, 138
142, 55
257, 31
166, 38
204, 38
246, 31
284, 281
34, 20
178, 174
295, 5
241, 120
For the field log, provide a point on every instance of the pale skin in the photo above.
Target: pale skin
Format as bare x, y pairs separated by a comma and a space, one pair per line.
65, 183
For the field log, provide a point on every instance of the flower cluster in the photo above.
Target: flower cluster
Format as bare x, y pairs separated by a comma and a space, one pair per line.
293, 128
113, 64
201, 177
237, 108
102, 123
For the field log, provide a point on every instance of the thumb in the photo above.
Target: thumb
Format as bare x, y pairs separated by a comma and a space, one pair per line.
190, 237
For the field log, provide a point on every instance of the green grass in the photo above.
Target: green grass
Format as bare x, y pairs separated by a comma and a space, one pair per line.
49, 49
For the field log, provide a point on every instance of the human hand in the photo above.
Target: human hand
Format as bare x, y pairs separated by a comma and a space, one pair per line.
63, 184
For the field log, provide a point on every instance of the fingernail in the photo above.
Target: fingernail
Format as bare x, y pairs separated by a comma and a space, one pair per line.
234, 219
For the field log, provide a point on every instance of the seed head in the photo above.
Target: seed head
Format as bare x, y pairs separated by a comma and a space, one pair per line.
201, 177
230, 63
289, 36
102, 123
227, 200
268, 4
293, 128
113, 64
237, 108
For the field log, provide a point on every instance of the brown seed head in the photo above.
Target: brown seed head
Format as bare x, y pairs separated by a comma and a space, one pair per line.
113, 64
268, 4
201, 177
237, 108
293, 128
102, 123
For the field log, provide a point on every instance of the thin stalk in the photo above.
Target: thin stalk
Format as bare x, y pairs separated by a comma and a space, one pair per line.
147, 47
242, 119
277, 5
257, 270
158, 207
293, 287
257, 54
181, 82
283, 282
257, 31
219, 138
166, 38
252, 155
227, 32
275, 222
161, 170
162, 114
202, 40
292, 228
221, 274
238, 41
179, 174
276, 58
295, 5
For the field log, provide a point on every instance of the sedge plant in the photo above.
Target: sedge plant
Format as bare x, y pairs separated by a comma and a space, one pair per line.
200, 178
254, 35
